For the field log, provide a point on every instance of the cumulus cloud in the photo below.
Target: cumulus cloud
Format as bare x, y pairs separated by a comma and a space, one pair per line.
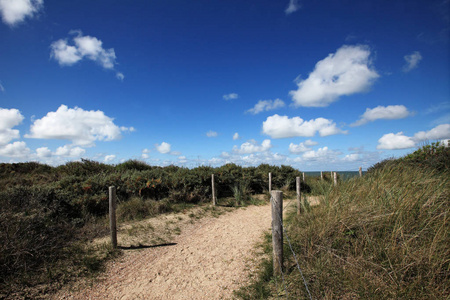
163, 148
230, 96
43, 152
302, 147
437, 133
322, 154
182, 159
252, 146
67, 54
16, 150
390, 112
346, 72
284, 127
9, 118
352, 157
81, 127
211, 134
109, 158
293, 6
393, 141
266, 105
70, 151
236, 136
15, 11
412, 61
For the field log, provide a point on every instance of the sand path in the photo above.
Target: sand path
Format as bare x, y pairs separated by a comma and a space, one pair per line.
210, 259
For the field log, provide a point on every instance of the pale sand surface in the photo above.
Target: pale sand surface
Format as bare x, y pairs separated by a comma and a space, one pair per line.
211, 258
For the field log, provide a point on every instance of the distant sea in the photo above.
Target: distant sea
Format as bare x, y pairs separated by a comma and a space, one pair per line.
342, 175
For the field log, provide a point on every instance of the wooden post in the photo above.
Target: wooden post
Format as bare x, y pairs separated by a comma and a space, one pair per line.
303, 174
213, 190
321, 175
276, 201
299, 197
270, 182
335, 178
112, 215
360, 171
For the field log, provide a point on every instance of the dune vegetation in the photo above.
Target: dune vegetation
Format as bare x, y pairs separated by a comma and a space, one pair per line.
48, 214
382, 236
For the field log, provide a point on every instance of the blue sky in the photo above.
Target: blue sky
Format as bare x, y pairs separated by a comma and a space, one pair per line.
319, 85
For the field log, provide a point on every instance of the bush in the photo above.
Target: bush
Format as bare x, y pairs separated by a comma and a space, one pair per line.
138, 209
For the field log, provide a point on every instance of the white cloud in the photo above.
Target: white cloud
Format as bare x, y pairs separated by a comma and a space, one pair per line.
65, 55
77, 125
352, 157
236, 136
83, 47
346, 72
310, 143
15, 11
211, 134
16, 149
43, 152
127, 129
412, 61
266, 105
109, 158
69, 151
182, 159
120, 76
230, 96
283, 127
437, 133
164, 148
293, 6
9, 118
252, 147
322, 154
302, 147
390, 112
393, 141
145, 156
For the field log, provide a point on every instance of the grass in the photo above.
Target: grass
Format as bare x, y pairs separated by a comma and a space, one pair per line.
382, 236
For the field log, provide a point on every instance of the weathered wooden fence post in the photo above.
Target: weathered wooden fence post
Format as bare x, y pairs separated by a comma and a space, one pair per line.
303, 175
360, 171
276, 201
299, 196
335, 178
270, 182
321, 175
213, 190
112, 215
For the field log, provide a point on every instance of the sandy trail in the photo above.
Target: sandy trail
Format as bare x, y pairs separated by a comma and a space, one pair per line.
211, 258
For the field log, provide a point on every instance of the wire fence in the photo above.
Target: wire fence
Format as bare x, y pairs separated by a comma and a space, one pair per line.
305, 283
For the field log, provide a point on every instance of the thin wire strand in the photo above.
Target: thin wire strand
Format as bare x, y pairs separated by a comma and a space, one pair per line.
282, 279
298, 265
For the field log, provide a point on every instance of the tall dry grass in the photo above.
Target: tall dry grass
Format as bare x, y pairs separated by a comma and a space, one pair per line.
382, 236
